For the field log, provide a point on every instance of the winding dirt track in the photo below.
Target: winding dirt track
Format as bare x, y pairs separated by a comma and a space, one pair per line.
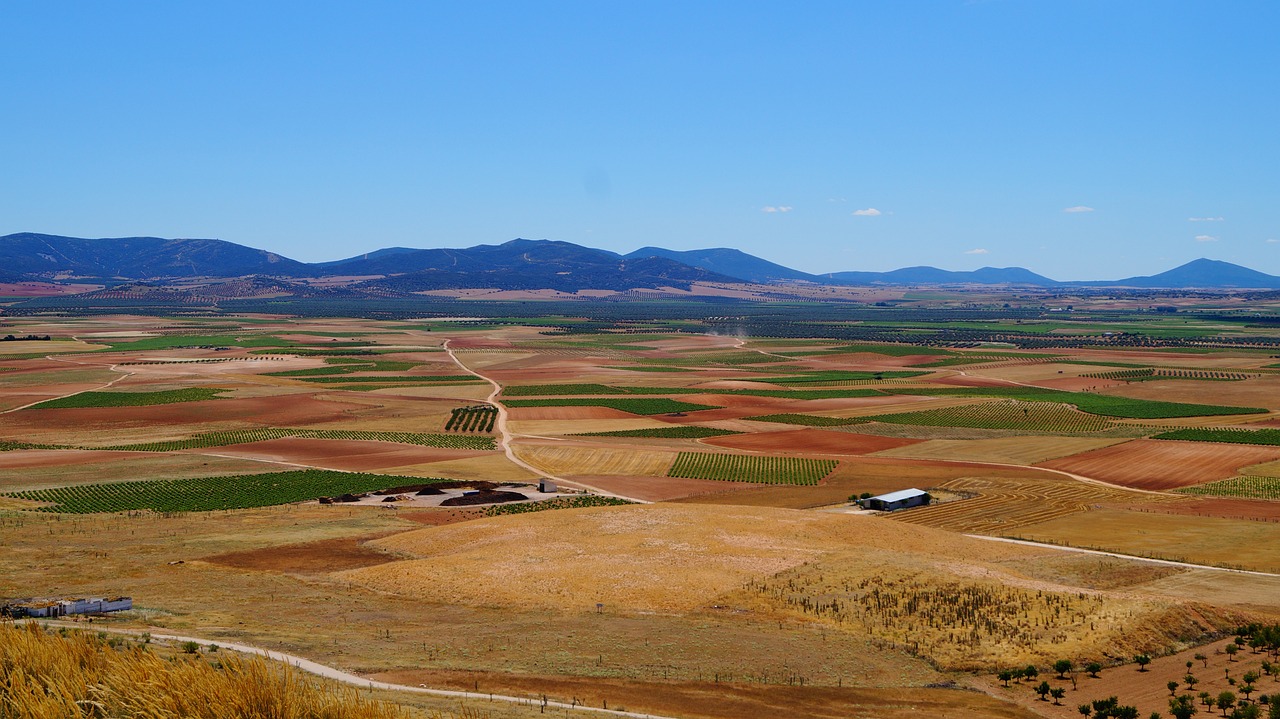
505, 435
328, 672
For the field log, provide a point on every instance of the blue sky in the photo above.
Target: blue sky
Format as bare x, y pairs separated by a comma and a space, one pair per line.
823, 135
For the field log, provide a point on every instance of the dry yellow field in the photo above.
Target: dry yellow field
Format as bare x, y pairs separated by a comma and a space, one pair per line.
492, 468
465, 392
1006, 450
660, 557
124, 467
583, 460
1000, 505
1196, 539
1266, 469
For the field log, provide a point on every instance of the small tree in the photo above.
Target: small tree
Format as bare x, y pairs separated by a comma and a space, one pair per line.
1085, 710
1183, 707
1202, 658
1093, 668
1191, 681
1231, 651
1030, 672
1226, 699
1005, 676
1143, 660
1206, 699
1246, 689
1172, 686
1057, 693
1043, 690
1062, 666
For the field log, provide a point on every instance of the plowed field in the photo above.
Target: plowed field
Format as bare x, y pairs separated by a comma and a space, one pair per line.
1005, 450
525, 414
810, 441
1163, 464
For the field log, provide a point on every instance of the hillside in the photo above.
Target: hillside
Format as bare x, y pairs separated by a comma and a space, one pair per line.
49, 256
727, 261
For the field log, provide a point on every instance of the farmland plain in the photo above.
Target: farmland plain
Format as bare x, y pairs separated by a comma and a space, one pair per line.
750, 586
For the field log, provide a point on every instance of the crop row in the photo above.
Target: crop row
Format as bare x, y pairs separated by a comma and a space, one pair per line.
552, 390
205, 494
688, 431
243, 436
837, 376
750, 468
1246, 487
1151, 373
1229, 436
1008, 414
130, 399
577, 502
479, 418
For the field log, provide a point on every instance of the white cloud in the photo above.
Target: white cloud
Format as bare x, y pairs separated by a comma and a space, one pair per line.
1206, 219
1206, 238
1272, 241
978, 251
772, 209
1077, 208
869, 212
836, 199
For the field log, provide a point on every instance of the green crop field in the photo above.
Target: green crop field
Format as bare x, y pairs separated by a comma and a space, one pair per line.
397, 379
578, 502
130, 399
808, 420
1230, 436
1105, 405
479, 418
647, 405
1010, 414
1239, 487
348, 365
750, 468
1149, 374
177, 341
551, 390
243, 436
205, 494
690, 431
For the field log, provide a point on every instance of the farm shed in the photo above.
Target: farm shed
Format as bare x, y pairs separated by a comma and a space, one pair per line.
901, 499
547, 486
65, 607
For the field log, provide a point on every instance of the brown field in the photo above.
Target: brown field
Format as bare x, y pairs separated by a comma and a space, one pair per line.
1163, 464
552, 426
1005, 450
697, 700
1248, 509
810, 441
319, 557
580, 460
349, 455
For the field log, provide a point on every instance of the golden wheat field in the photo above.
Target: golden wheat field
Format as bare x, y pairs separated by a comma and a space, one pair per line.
584, 460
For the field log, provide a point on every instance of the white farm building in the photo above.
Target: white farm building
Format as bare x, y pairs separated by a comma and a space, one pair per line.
901, 499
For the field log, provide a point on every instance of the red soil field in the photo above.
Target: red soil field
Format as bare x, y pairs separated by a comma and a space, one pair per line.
321, 557
1162, 464
566, 413
23, 458
288, 411
1256, 509
810, 441
1076, 384
350, 455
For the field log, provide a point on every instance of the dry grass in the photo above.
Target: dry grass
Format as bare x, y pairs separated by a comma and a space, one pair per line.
999, 506
1006, 450
1200, 540
494, 468
975, 615
582, 460
47, 675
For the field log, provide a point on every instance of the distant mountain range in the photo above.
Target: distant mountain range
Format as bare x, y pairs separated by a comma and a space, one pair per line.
517, 265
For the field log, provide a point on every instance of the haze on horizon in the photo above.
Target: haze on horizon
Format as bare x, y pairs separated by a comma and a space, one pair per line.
1078, 140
